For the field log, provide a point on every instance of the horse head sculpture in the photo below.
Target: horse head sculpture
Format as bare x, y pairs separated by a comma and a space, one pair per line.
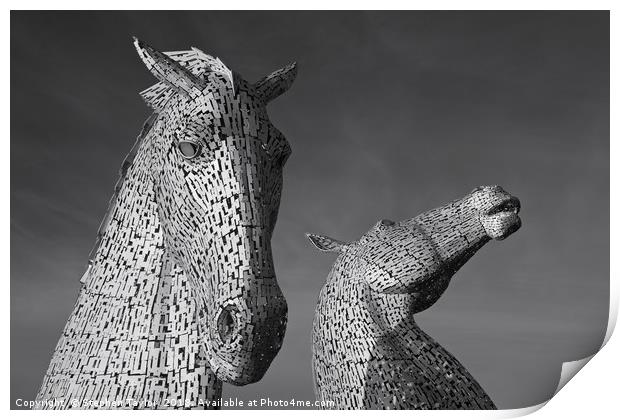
365, 339
217, 165
180, 293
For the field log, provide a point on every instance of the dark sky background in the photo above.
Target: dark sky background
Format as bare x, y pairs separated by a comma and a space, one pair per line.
392, 113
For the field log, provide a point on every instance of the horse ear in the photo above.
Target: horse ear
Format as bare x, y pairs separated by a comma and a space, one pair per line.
169, 71
278, 82
325, 243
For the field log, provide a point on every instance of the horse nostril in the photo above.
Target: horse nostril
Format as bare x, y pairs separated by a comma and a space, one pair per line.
226, 323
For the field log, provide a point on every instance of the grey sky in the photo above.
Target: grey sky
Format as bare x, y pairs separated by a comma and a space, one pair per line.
392, 113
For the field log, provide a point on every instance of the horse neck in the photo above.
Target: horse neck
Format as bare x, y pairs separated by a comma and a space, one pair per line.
130, 255
393, 338
383, 312
132, 333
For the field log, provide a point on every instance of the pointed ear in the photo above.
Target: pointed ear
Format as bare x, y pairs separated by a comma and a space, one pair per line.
278, 82
325, 243
169, 71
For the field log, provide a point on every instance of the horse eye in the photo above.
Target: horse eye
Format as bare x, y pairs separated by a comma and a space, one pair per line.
188, 149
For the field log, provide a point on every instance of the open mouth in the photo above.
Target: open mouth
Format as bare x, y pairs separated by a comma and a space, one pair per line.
511, 204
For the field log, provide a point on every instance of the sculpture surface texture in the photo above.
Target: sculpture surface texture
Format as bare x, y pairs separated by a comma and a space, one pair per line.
180, 293
368, 351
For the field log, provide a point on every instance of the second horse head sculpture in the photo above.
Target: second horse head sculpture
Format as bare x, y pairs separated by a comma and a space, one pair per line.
368, 351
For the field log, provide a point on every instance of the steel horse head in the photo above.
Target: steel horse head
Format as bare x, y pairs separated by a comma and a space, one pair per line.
217, 166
